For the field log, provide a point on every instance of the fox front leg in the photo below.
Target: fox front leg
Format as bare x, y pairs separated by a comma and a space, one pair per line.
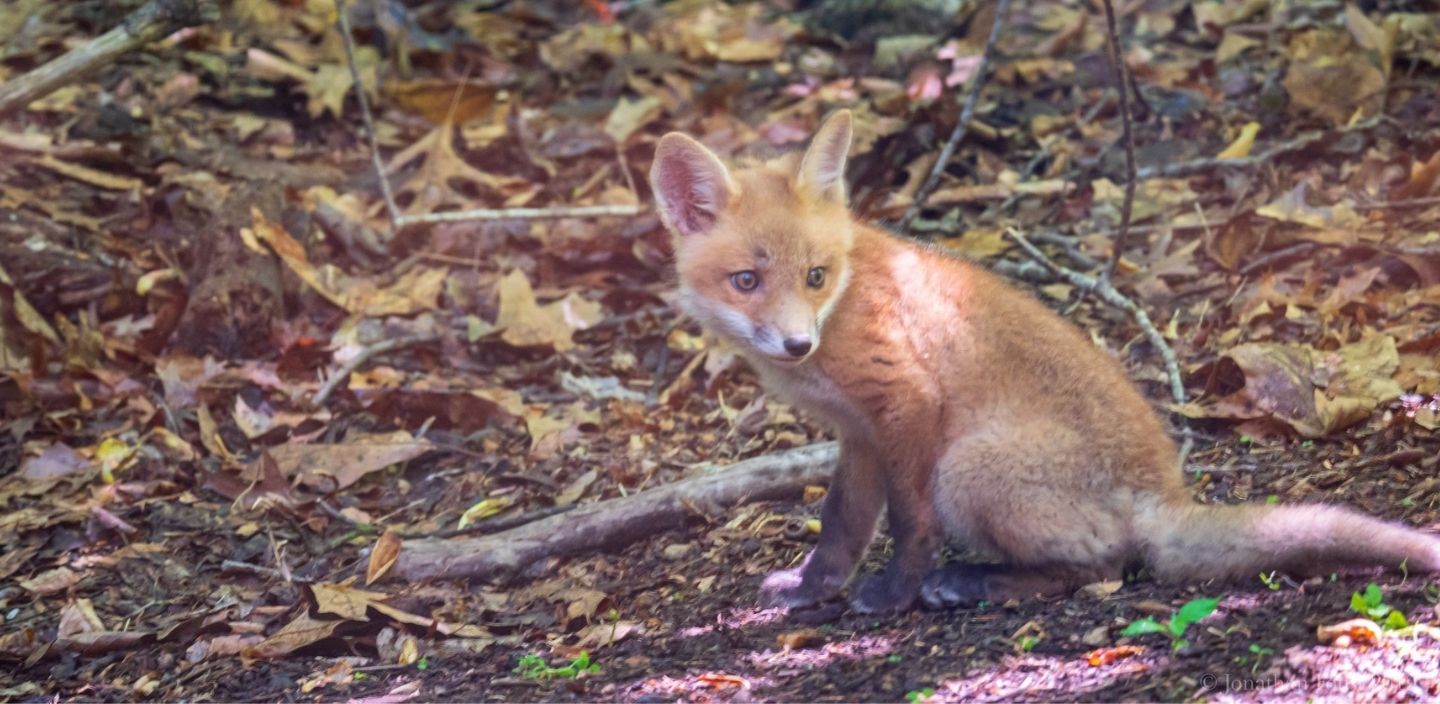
847, 526
916, 531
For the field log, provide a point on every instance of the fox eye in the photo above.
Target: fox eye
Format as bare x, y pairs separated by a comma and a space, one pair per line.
816, 277
744, 280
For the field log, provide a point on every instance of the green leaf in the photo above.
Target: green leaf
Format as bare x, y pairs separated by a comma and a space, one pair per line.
1142, 626
1373, 596
1357, 603
1193, 611
1396, 620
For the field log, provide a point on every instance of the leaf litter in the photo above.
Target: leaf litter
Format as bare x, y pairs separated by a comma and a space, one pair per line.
195, 245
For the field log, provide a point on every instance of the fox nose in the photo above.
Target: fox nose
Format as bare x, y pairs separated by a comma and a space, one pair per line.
797, 346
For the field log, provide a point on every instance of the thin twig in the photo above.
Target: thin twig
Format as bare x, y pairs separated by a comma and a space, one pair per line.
399, 221
1190, 168
559, 211
1108, 293
364, 356
391, 207
238, 566
150, 22
1396, 204
977, 81
1122, 87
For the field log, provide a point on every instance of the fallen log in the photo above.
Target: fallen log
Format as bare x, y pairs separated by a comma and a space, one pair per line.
618, 522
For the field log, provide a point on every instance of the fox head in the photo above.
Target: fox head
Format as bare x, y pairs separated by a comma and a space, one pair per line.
761, 253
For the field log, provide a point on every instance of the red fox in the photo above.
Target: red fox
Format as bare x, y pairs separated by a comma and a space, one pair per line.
964, 405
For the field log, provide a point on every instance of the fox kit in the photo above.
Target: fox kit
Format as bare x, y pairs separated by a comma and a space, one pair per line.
966, 407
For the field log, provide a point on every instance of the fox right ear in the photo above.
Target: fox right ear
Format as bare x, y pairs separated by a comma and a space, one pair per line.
691, 185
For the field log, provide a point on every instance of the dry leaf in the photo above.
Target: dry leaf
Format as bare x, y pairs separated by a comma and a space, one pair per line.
383, 556
330, 467
528, 323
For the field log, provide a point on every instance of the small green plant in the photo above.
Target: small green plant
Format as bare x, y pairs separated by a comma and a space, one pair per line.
1271, 580
534, 667
1028, 643
422, 664
1260, 652
1192, 612
893, 658
1272, 500
920, 696
1371, 604
1431, 592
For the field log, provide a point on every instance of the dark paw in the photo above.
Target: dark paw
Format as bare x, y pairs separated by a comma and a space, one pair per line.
788, 589
953, 585
881, 594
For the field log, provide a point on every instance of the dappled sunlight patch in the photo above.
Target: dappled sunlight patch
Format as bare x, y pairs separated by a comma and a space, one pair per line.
1034, 676
732, 619
847, 649
700, 686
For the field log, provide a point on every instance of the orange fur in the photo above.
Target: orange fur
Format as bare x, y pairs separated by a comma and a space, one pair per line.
965, 405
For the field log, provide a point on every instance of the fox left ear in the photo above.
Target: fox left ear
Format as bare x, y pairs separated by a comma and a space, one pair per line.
822, 169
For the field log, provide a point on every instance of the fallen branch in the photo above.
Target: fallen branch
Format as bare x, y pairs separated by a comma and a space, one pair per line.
618, 522
927, 187
1107, 292
150, 22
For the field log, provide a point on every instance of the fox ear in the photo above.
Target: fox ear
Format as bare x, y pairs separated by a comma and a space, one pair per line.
822, 169
691, 185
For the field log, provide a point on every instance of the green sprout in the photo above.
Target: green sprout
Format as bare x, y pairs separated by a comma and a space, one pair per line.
1371, 604
921, 696
534, 667
1192, 612
1271, 580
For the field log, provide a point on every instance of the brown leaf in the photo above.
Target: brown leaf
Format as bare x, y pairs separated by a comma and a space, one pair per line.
345, 601
51, 582
383, 556
335, 466
803, 638
1352, 632
1315, 392
527, 323
415, 291
1105, 656
432, 184
299, 633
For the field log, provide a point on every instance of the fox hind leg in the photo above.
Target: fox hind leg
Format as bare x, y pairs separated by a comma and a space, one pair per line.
955, 585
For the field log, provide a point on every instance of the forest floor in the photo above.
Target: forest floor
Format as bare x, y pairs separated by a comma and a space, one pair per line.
193, 245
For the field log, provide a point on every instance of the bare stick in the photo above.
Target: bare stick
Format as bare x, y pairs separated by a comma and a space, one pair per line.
1122, 87
365, 355
927, 187
617, 522
559, 211
150, 22
1108, 293
391, 207
399, 221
